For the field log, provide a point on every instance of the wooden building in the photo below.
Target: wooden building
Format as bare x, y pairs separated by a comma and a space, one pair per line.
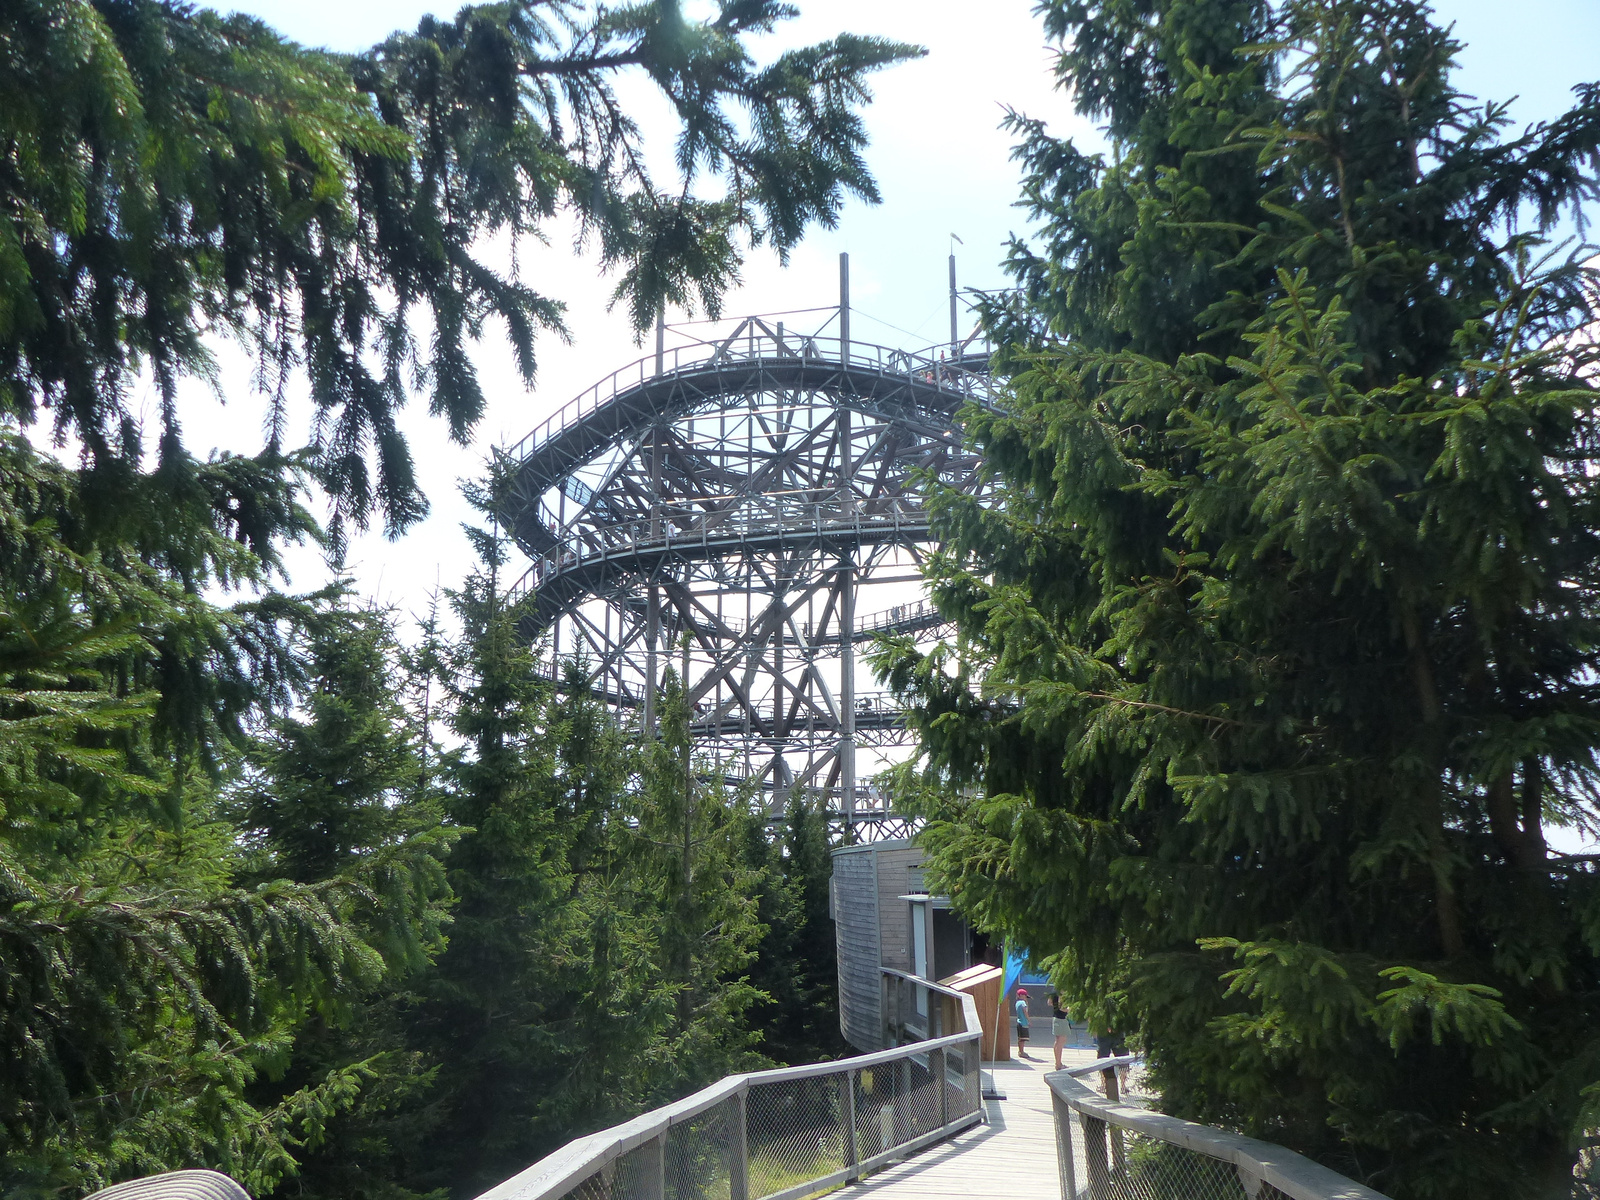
884, 917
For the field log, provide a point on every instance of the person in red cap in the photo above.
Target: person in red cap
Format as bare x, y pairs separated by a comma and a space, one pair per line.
1022, 1024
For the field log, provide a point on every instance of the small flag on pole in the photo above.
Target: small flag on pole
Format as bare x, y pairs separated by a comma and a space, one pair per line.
1016, 960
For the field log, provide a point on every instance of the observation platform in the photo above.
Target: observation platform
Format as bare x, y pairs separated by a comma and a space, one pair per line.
747, 510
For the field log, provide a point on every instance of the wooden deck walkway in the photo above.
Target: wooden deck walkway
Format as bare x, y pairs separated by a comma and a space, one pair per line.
1010, 1157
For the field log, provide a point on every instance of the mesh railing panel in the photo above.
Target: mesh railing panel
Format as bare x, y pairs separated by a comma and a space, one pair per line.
1145, 1168
697, 1158
633, 1175
593, 1188
878, 1127
1109, 1163
963, 1084
923, 1096
795, 1133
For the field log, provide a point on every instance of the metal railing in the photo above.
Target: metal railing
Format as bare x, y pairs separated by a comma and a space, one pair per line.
869, 706
919, 614
1124, 1152
753, 341
791, 1132
645, 536
916, 615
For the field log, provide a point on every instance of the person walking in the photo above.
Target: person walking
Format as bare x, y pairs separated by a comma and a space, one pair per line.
1060, 1025
1022, 1024
1108, 1043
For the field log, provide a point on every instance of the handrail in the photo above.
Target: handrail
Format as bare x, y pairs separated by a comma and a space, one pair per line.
653, 535
1101, 1065
882, 360
580, 1168
1259, 1165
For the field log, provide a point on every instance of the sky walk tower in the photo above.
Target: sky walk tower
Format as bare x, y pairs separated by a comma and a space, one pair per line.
746, 508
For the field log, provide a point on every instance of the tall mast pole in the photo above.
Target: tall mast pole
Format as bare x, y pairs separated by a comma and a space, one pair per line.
846, 607
844, 308
652, 612
955, 333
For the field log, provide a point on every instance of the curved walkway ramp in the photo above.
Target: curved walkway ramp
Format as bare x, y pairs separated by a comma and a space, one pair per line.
916, 396
789, 1133
909, 1123
902, 1124
919, 388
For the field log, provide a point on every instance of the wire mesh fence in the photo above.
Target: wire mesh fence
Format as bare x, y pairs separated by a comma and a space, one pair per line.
797, 1132
1137, 1167
1111, 1150
698, 1156
792, 1132
596, 1187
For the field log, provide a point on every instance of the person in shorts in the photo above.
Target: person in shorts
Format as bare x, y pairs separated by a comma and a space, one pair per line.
1022, 1024
1060, 1025
1108, 1043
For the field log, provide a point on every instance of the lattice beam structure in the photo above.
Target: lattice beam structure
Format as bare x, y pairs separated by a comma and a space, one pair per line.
747, 510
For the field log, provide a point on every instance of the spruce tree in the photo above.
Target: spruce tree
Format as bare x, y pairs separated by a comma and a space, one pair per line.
1278, 630
796, 964
329, 792
688, 850
605, 918
146, 981
174, 175
484, 1012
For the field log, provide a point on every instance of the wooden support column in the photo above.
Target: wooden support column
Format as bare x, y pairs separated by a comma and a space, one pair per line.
847, 580
1065, 1158
739, 1147
780, 725
847, 1118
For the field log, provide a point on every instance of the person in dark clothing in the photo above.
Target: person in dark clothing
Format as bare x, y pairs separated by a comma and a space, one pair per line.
1110, 1044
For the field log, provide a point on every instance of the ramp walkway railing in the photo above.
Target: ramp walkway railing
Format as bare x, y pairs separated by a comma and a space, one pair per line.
791, 1132
1125, 1152
717, 533
753, 339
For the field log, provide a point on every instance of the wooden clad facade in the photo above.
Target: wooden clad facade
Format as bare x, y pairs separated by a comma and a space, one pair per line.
872, 930
855, 930
897, 861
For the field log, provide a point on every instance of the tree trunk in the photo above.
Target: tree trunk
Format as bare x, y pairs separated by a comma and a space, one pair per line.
1534, 851
1448, 905
1503, 817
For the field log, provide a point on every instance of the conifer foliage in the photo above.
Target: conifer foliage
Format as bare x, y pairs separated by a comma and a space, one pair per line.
602, 942
1280, 634
277, 896
146, 979
171, 174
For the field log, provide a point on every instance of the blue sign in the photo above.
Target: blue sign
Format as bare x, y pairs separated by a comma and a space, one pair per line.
1017, 972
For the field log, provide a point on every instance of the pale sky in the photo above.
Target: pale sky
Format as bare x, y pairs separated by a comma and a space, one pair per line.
942, 165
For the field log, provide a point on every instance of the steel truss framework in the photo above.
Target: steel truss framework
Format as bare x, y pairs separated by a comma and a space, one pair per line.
746, 510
